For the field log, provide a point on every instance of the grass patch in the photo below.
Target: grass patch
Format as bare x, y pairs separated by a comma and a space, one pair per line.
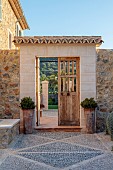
52, 106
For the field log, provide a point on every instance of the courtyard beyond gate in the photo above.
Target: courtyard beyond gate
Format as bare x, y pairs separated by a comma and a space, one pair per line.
49, 122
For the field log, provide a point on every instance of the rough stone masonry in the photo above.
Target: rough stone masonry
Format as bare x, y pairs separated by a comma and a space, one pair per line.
9, 84
104, 86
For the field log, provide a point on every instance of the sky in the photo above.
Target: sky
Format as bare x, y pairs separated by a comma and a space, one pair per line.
70, 17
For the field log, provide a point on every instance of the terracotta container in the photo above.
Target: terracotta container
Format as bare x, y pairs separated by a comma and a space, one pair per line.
90, 120
28, 120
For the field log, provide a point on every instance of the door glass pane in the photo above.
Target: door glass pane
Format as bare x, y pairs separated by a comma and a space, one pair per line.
66, 63
61, 84
70, 67
62, 68
75, 68
75, 84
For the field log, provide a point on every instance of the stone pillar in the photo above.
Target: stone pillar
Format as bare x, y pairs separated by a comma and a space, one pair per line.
45, 94
87, 80
27, 79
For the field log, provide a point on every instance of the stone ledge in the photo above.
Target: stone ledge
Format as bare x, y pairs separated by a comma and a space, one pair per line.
9, 129
8, 123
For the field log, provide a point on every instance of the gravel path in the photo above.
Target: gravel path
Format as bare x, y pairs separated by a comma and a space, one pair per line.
58, 151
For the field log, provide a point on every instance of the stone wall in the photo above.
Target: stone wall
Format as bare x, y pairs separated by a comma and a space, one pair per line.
104, 86
7, 135
8, 23
9, 84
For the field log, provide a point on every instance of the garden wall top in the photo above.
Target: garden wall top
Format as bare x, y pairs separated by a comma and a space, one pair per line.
8, 123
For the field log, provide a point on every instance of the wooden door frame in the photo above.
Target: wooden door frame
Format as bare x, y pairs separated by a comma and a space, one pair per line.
37, 92
59, 84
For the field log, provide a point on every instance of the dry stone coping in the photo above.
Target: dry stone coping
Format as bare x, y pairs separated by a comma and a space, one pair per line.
8, 123
9, 129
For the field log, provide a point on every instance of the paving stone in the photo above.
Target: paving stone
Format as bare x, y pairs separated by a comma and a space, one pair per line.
57, 135
87, 140
55, 151
50, 112
30, 140
59, 147
106, 140
15, 163
59, 160
1, 153
102, 163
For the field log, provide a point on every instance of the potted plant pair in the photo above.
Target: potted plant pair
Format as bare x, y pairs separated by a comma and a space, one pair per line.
27, 105
89, 106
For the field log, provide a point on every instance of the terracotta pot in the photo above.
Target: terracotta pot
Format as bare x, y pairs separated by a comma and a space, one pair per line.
28, 121
90, 120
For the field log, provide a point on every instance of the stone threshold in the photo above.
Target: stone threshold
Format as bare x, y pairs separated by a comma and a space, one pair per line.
59, 128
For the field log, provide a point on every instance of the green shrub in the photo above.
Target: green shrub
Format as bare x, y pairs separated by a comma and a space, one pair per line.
27, 103
89, 103
109, 125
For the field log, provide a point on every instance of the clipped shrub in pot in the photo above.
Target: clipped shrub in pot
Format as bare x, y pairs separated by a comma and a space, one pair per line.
28, 106
89, 105
109, 125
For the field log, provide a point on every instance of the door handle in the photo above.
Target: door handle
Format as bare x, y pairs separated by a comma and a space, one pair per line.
68, 93
62, 93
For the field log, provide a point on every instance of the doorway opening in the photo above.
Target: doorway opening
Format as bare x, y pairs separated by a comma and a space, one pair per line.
58, 92
48, 92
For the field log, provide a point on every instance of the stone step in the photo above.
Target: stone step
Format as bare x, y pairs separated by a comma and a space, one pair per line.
59, 129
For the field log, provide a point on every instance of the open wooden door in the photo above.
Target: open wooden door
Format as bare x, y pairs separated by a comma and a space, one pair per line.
38, 90
68, 91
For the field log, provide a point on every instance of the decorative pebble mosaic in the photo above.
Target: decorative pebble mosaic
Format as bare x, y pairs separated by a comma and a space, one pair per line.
59, 160
58, 151
59, 147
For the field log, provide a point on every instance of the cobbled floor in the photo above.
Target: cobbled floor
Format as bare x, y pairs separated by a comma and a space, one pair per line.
58, 151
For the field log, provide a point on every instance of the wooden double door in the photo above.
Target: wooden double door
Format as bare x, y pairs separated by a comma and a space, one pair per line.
68, 91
